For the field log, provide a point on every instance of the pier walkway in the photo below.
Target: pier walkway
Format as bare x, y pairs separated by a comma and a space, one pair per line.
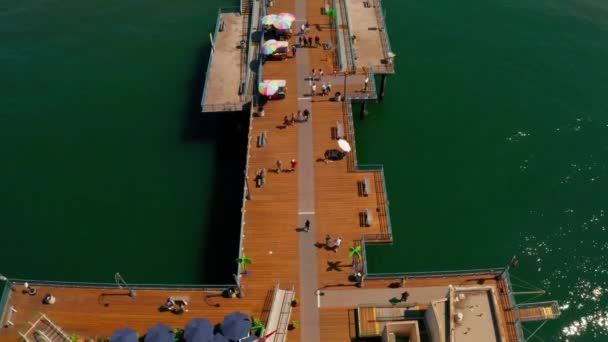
341, 199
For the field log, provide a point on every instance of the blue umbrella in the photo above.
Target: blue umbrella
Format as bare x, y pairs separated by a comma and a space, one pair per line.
160, 333
220, 338
124, 335
199, 330
236, 326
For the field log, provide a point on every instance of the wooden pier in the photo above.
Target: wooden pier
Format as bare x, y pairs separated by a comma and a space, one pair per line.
344, 200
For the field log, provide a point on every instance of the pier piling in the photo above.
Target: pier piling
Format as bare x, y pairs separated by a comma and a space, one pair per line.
382, 85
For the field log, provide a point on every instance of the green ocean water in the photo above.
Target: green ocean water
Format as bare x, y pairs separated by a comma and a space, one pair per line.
107, 165
494, 139
493, 135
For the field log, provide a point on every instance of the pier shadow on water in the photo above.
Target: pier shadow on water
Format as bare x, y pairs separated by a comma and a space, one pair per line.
226, 133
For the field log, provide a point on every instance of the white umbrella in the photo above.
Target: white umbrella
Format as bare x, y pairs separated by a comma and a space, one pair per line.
344, 145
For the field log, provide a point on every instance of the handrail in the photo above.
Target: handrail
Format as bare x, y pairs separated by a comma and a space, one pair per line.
338, 39
168, 287
353, 52
4, 297
211, 54
428, 274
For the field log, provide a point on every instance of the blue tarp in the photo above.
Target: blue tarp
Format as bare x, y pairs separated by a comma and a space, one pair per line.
160, 333
124, 335
236, 326
199, 330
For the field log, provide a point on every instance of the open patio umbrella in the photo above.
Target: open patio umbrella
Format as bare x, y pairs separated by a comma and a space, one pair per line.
270, 19
236, 326
124, 335
160, 333
287, 16
199, 330
269, 87
220, 338
282, 24
344, 145
270, 46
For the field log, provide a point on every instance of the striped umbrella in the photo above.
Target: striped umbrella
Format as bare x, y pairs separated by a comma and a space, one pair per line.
287, 16
270, 47
269, 87
270, 19
282, 24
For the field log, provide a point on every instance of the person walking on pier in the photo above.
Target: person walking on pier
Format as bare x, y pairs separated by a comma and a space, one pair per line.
286, 121
306, 114
321, 73
307, 226
314, 89
335, 73
337, 244
300, 40
293, 50
279, 166
294, 163
307, 26
366, 83
329, 88
323, 89
313, 74
309, 41
327, 241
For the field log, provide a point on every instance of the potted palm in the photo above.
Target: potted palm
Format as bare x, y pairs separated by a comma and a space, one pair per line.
293, 325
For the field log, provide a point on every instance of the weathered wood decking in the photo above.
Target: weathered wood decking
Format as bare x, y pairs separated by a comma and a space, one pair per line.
271, 236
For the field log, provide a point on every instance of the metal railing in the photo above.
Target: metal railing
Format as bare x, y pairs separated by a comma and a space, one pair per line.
435, 274
338, 39
101, 285
4, 297
350, 51
518, 327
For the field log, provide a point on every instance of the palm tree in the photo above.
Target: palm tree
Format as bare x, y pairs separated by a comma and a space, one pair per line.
355, 251
243, 262
258, 325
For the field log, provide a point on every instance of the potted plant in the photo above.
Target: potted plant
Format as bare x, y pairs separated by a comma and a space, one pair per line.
295, 302
293, 325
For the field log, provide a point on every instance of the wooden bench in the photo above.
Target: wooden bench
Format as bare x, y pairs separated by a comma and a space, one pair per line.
262, 139
369, 218
178, 299
339, 134
364, 187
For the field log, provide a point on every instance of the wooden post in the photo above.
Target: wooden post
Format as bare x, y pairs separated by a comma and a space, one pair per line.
363, 112
382, 85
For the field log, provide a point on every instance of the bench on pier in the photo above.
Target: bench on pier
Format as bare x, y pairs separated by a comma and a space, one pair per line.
339, 131
182, 299
260, 178
9, 316
364, 187
366, 218
263, 139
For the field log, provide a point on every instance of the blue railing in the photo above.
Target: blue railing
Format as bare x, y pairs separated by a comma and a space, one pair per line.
169, 287
428, 274
246, 90
338, 39
518, 326
4, 295
353, 52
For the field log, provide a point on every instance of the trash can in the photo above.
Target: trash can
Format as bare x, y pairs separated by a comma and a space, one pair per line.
338, 96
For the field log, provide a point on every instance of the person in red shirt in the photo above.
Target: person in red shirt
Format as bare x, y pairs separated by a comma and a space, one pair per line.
294, 163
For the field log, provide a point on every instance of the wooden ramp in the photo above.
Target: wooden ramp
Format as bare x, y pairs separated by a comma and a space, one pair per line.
40, 328
538, 311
